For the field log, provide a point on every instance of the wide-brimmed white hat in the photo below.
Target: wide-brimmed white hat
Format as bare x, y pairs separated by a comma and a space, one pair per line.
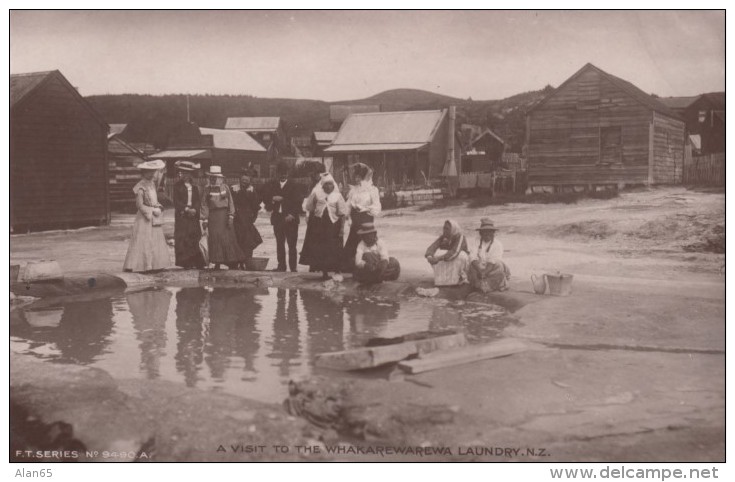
152, 165
215, 171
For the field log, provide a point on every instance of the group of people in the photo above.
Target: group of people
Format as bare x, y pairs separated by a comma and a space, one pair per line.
454, 264
227, 219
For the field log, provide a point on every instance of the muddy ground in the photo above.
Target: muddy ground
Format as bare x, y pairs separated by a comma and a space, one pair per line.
632, 366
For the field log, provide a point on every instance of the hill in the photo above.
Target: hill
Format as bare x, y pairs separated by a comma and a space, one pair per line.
152, 119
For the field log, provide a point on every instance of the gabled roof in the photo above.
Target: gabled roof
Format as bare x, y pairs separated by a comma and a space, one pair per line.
23, 86
717, 99
678, 102
633, 91
228, 139
384, 131
117, 128
182, 154
484, 133
254, 124
116, 145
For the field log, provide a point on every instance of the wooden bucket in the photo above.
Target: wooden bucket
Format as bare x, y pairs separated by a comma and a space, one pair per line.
257, 264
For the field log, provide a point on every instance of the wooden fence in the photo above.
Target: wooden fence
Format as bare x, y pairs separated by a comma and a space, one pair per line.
707, 170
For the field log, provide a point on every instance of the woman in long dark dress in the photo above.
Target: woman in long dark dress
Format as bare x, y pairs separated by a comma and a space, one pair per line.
328, 209
187, 230
247, 205
218, 214
306, 257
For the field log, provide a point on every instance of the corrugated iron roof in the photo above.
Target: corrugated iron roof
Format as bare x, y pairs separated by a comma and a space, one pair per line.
182, 154
23, 84
388, 129
340, 112
376, 147
254, 124
678, 102
229, 139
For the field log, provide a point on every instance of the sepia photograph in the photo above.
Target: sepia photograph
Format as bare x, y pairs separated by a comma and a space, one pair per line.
368, 236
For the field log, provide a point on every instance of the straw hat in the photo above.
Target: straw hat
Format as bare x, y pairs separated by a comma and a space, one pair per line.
215, 171
366, 228
152, 165
487, 224
187, 166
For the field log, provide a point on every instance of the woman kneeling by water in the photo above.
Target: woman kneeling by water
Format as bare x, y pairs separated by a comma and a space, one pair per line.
372, 262
487, 271
450, 266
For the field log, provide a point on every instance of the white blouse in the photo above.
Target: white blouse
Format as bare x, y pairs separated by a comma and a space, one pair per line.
365, 198
490, 252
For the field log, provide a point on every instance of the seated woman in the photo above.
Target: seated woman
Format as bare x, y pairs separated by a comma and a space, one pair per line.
372, 262
487, 271
450, 266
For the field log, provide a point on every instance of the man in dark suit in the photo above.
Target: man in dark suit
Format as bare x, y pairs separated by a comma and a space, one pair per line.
283, 199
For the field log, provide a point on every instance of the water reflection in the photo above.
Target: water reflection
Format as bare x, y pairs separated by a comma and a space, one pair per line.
80, 331
245, 341
149, 310
232, 329
285, 344
192, 327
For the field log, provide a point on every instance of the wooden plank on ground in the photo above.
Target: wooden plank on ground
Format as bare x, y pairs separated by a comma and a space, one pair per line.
370, 357
443, 359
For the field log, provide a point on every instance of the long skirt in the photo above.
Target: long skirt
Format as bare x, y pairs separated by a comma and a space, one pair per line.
326, 254
489, 277
353, 239
375, 272
248, 237
306, 256
223, 247
451, 273
148, 249
187, 234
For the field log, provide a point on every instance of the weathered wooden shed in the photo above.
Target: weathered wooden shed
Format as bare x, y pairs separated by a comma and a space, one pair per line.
597, 129
268, 131
705, 119
123, 159
402, 148
58, 155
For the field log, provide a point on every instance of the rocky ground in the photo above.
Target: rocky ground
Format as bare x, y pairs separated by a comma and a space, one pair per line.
632, 365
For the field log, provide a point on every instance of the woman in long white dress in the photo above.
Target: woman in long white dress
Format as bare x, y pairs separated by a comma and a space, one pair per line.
148, 250
363, 203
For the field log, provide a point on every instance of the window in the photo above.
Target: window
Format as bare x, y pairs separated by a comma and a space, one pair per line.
611, 145
702, 116
266, 137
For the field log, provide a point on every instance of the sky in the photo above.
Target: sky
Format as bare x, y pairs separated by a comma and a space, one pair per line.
343, 55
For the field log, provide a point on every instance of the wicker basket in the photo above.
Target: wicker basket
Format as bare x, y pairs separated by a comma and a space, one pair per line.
257, 264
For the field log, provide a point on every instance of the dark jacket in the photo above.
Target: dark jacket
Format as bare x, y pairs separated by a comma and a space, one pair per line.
293, 197
180, 198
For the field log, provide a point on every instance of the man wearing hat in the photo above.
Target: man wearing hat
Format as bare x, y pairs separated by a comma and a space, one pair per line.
488, 272
373, 264
148, 250
283, 198
187, 203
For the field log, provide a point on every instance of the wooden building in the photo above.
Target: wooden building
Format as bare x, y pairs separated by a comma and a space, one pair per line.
597, 129
705, 120
482, 150
123, 159
58, 155
234, 151
267, 131
402, 148
320, 141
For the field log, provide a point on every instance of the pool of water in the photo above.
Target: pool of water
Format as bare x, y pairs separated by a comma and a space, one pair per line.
244, 341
